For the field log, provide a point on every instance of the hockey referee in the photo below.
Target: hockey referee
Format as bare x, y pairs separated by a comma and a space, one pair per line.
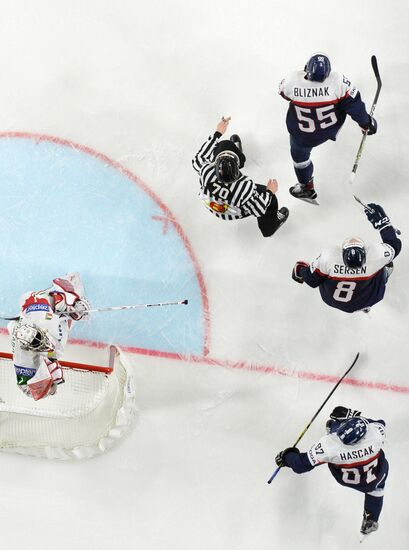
229, 194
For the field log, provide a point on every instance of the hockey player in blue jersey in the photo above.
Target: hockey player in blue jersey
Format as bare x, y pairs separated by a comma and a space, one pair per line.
353, 277
320, 99
352, 449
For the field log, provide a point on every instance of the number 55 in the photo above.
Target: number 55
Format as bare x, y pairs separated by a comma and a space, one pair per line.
325, 116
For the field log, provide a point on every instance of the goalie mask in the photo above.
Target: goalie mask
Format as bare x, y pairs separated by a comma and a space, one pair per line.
33, 338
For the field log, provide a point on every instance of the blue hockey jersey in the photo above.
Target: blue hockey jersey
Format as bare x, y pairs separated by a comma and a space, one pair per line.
350, 289
361, 466
317, 110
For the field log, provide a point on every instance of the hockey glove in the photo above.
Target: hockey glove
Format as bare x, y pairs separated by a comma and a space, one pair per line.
280, 458
80, 309
296, 274
342, 413
370, 127
376, 215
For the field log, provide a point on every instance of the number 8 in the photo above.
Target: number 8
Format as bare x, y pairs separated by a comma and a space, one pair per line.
344, 291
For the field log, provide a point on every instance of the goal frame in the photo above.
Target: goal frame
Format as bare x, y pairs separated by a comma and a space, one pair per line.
61, 429
80, 366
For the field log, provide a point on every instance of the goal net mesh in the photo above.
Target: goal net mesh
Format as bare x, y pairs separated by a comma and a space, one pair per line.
84, 418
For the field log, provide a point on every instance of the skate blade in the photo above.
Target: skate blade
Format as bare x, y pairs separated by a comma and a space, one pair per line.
311, 201
364, 537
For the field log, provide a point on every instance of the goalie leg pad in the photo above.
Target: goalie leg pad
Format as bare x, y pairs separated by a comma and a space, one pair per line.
45, 381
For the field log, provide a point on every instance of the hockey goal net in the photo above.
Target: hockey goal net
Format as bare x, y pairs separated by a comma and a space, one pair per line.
85, 417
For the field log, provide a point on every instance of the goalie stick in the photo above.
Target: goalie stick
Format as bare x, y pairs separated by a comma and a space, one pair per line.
375, 68
317, 413
118, 308
114, 308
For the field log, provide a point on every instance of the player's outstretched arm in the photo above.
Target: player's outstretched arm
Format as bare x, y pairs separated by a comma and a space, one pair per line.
204, 155
223, 125
381, 222
292, 458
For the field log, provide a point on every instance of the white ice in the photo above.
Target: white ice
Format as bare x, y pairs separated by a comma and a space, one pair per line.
145, 83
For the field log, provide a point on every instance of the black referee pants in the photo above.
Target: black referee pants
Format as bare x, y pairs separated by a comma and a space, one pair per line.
268, 223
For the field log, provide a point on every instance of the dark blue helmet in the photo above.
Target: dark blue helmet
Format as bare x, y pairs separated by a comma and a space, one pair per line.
332, 425
318, 67
353, 253
351, 431
227, 167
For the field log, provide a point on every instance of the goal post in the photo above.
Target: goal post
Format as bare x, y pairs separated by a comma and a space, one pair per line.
92, 410
79, 366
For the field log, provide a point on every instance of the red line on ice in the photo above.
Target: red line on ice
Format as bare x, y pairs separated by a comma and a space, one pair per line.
205, 358
304, 375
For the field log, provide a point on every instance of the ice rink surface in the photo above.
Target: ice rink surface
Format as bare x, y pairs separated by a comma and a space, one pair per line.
118, 97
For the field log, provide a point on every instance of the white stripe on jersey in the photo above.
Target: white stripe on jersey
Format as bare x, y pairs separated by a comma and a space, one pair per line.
330, 262
331, 449
244, 198
205, 152
307, 92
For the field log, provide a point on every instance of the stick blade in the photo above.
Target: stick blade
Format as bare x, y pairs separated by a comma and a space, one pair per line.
374, 63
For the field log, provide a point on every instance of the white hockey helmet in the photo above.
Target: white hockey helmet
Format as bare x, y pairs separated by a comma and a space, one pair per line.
33, 338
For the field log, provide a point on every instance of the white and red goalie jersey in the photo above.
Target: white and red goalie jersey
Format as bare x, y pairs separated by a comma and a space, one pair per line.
40, 335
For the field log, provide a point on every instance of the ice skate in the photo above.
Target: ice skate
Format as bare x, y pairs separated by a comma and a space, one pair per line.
305, 192
369, 525
282, 215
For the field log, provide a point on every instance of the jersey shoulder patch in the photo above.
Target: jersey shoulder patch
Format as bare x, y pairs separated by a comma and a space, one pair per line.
321, 451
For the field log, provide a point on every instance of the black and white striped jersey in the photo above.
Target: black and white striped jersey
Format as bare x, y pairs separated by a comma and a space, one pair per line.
229, 202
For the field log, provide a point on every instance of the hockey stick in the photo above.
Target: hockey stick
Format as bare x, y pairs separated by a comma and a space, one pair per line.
118, 308
366, 207
317, 413
374, 63
115, 308
371, 210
